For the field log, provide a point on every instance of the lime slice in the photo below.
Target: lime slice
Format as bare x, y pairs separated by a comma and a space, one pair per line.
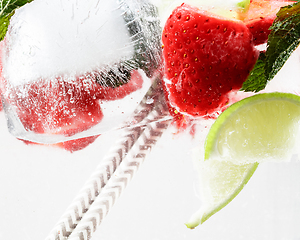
256, 129
220, 182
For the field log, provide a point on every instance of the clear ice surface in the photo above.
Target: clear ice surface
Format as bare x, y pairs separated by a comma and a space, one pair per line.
49, 38
73, 56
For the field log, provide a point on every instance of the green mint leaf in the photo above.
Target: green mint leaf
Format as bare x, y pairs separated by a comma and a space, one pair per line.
7, 9
4, 22
282, 41
257, 79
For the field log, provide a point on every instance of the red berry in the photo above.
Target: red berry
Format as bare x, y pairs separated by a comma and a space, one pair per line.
206, 56
260, 16
56, 107
61, 106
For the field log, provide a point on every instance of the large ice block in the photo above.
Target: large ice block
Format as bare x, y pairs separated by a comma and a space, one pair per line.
75, 69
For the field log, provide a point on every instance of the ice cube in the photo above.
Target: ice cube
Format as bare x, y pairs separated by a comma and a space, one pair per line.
62, 60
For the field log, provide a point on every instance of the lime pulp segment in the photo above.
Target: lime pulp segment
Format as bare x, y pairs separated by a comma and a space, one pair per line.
255, 129
220, 183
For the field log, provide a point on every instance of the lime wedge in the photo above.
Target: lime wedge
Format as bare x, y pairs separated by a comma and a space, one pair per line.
256, 129
259, 128
220, 183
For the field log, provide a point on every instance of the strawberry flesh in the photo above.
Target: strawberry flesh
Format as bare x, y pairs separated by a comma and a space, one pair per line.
67, 108
260, 16
61, 106
206, 56
56, 107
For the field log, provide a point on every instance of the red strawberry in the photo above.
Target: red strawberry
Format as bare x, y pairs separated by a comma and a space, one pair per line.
206, 56
260, 16
60, 106
56, 107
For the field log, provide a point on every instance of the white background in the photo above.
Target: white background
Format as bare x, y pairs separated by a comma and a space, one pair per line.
38, 183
